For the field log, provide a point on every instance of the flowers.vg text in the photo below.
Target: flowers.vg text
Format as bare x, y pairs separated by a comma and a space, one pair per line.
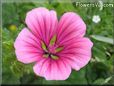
96, 4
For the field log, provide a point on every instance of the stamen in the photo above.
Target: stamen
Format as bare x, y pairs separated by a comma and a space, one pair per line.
43, 46
59, 49
46, 55
52, 41
54, 57
50, 50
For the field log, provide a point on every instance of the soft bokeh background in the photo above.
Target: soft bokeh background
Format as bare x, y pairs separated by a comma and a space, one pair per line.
100, 70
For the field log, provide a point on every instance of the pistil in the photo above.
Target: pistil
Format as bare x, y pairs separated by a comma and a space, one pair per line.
51, 50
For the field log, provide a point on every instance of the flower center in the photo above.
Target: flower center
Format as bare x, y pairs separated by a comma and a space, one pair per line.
52, 49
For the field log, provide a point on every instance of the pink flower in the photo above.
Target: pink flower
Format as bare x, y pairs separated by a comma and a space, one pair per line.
55, 47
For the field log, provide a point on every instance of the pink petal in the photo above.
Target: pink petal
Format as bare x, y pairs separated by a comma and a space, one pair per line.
78, 54
41, 67
42, 23
27, 47
70, 25
53, 70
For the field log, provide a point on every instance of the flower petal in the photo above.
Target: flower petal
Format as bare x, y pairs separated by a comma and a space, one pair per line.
42, 23
27, 47
41, 67
53, 70
78, 54
70, 25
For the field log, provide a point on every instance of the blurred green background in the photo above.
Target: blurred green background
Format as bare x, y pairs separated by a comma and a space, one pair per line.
100, 70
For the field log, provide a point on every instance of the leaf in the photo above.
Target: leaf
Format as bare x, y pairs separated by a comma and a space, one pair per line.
103, 39
99, 81
99, 54
107, 80
17, 69
102, 81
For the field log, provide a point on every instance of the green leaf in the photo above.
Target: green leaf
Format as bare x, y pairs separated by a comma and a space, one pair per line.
103, 39
17, 69
102, 81
99, 81
99, 54
107, 80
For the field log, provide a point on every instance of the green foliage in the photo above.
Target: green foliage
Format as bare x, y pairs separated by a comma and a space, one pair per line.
100, 70
102, 81
103, 39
